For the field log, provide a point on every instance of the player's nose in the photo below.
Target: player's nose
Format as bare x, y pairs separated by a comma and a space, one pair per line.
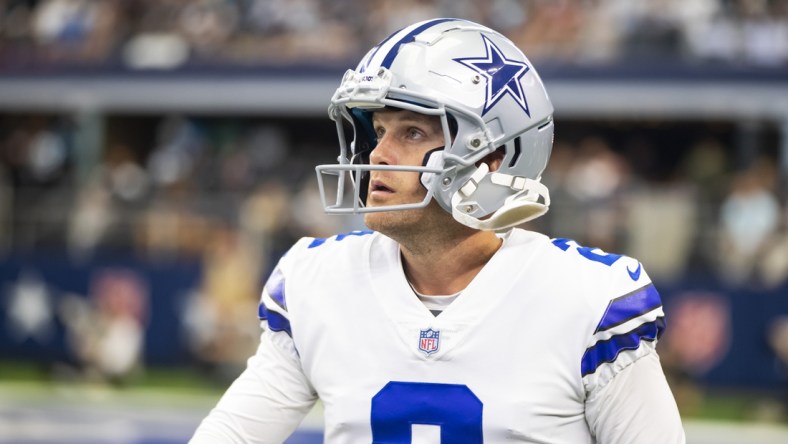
383, 153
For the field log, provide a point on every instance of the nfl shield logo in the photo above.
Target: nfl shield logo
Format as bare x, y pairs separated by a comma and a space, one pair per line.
429, 341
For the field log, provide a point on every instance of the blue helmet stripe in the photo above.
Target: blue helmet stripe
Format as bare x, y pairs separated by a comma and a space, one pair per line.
607, 351
629, 306
392, 54
364, 63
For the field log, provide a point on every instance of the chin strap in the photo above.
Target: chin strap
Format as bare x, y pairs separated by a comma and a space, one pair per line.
520, 207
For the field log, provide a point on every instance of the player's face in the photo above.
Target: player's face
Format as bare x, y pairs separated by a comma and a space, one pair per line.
404, 138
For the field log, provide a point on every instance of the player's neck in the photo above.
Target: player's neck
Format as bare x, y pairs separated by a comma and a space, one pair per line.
448, 266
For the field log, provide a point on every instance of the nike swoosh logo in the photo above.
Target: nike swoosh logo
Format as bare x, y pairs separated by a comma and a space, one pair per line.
635, 275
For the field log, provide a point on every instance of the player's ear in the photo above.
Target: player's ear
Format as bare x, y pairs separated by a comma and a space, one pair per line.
494, 159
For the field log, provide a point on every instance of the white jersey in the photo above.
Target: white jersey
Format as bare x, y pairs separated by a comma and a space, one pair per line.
524, 354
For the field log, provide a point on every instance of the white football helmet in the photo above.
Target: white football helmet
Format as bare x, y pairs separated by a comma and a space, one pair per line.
488, 97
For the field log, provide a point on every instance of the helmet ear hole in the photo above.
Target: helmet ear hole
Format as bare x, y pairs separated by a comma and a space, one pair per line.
453, 125
515, 152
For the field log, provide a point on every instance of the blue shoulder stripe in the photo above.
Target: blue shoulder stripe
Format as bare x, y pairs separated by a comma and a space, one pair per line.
275, 286
607, 351
276, 322
629, 306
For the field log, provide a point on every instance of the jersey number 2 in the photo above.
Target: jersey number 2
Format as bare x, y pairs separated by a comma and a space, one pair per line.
588, 253
452, 407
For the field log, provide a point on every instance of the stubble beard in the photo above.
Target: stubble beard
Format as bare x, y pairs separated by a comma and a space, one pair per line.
419, 230
396, 224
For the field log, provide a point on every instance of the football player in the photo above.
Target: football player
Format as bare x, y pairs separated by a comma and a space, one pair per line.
445, 322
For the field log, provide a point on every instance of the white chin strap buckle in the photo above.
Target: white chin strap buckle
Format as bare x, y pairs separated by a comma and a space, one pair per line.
520, 207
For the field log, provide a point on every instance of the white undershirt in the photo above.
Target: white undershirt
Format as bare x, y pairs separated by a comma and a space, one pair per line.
436, 304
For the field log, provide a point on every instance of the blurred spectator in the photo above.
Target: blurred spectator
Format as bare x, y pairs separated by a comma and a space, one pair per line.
551, 29
662, 227
651, 31
168, 34
388, 16
168, 229
75, 30
565, 209
179, 142
749, 218
220, 320
764, 32
29, 308
101, 215
91, 218
714, 39
773, 265
596, 178
127, 180
152, 39
209, 24
265, 222
106, 330
47, 155
599, 38
705, 168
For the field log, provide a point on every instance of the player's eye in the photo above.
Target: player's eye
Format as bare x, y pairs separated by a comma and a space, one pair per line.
415, 133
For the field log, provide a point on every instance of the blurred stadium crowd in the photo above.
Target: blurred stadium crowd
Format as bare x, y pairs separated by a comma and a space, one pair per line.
169, 34
683, 201
689, 199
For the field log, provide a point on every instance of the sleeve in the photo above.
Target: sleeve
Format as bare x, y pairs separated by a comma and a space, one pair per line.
627, 396
628, 329
270, 398
636, 406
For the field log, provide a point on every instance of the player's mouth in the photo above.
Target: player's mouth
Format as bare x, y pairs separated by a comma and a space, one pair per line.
378, 188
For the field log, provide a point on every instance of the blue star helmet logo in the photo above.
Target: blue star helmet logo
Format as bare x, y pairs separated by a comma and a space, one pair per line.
503, 75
